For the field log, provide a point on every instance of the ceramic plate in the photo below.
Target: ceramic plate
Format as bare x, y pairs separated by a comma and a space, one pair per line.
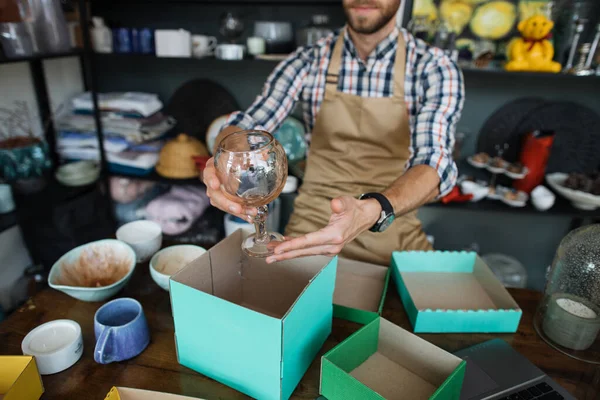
291, 135
514, 175
476, 164
213, 131
581, 200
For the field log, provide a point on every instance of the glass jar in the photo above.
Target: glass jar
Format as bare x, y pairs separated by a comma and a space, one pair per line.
319, 28
568, 317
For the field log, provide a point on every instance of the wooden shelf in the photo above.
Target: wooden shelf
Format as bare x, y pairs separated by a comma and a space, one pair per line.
35, 57
467, 70
541, 75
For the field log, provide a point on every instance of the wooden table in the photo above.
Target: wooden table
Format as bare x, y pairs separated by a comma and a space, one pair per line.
157, 368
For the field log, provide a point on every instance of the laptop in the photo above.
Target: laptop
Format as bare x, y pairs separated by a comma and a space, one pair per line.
495, 371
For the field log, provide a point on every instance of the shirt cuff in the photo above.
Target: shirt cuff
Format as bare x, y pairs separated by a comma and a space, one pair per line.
445, 167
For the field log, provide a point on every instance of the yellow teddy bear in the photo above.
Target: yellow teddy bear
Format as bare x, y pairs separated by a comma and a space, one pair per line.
533, 52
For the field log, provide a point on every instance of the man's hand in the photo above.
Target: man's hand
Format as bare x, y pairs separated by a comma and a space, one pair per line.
350, 217
218, 199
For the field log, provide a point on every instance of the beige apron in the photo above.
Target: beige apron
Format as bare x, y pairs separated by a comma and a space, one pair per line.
359, 145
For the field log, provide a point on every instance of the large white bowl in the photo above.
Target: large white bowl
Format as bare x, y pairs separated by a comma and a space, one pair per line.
106, 247
176, 257
579, 199
145, 237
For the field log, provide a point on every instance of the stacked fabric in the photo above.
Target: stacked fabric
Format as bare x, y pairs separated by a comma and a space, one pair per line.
133, 126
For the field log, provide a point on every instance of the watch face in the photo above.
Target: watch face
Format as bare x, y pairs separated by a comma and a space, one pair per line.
386, 222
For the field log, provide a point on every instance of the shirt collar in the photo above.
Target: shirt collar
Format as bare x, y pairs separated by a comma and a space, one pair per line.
385, 48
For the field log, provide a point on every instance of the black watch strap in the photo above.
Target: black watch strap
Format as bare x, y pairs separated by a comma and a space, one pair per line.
386, 206
387, 211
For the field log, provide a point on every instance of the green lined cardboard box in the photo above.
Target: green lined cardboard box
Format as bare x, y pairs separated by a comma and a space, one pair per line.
360, 290
446, 292
383, 361
252, 326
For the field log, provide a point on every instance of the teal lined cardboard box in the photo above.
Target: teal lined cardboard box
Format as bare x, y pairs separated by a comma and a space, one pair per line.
360, 290
453, 292
383, 361
249, 325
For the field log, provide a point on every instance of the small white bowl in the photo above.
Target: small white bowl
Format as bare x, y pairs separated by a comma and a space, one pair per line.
145, 237
56, 345
542, 198
232, 225
170, 260
105, 248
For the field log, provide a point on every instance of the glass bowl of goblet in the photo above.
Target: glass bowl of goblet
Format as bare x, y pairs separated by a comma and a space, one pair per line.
252, 168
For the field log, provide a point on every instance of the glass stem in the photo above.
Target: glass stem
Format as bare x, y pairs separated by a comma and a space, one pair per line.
260, 222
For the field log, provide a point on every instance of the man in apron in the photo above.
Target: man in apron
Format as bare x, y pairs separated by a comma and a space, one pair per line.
381, 107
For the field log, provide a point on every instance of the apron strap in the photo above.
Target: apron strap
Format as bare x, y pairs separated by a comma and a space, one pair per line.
400, 67
333, 71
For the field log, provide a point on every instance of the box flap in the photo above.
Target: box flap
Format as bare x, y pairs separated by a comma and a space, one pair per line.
417, 355
19, 378
360, 285
493, 287
11, 367
122, 393
302, 341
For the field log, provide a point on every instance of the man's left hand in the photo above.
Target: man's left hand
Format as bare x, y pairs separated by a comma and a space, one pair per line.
349, 218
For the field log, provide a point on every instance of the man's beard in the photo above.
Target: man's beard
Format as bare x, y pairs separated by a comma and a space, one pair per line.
364, 25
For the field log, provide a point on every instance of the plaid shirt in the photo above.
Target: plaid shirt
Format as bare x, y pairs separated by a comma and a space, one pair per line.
434, 94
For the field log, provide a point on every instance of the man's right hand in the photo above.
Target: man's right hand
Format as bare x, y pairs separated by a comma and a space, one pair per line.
218, 199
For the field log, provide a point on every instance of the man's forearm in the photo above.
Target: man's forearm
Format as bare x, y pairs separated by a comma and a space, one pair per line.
417, 186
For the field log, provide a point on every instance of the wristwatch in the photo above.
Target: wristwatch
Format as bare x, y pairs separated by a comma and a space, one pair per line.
387, 211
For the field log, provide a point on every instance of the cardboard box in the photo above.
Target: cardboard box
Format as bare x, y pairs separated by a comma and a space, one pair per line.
19, 378
453, 292
360, 290
383, 361
252, 326
122, 393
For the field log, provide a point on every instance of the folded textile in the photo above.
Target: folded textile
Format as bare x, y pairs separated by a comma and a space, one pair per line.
113, 144
126, 158
136, 209
86, 124
177, 210
144, 104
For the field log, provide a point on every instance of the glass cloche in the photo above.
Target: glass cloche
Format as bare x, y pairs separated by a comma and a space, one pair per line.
568, 318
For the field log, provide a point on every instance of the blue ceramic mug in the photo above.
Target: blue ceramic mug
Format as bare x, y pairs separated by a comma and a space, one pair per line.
121, 331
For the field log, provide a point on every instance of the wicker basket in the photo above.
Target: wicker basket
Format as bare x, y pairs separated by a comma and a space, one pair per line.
176, 157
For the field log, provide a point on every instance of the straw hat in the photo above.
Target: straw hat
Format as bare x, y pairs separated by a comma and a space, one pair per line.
176, 157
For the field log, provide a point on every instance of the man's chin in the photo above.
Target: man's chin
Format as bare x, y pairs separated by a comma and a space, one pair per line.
364, 28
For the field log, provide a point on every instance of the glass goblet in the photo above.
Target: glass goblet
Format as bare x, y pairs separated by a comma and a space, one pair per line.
252, 167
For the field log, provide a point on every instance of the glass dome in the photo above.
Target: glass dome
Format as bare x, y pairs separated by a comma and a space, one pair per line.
568, 318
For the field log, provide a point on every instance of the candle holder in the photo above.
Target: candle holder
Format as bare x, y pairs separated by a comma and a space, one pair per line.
568, 317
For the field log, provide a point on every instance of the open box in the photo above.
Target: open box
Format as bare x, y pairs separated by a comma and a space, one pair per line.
360, 290
250, 325
453, 292
383, 361
123, 393
19, 378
